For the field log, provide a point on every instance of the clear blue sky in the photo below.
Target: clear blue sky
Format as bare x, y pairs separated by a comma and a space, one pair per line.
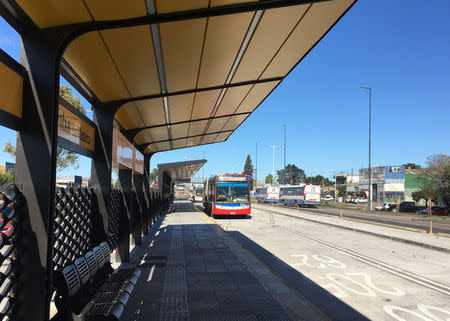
399, 48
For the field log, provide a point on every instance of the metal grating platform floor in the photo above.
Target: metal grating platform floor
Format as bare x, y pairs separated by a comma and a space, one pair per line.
189, 272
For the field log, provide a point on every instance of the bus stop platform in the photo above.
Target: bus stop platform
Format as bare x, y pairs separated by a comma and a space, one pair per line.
193, 270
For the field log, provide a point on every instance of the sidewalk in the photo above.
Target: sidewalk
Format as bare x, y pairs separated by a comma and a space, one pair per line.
193, 270
402, 235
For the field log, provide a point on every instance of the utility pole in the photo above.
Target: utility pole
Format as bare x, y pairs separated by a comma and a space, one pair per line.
203, 168
256, 166
370, 136
335, 187
284, 146
273, 161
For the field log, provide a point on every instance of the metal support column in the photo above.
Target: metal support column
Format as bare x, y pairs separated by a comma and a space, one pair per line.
102, 162
123, 248
137, 214
36, 172
147, 222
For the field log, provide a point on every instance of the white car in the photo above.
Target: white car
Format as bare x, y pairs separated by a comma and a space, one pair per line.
360, 200
328, 198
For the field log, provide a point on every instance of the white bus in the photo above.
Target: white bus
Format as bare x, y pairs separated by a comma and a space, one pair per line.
302, 194
197, 193
267, 194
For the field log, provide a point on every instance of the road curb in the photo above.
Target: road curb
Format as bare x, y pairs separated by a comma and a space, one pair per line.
393, 238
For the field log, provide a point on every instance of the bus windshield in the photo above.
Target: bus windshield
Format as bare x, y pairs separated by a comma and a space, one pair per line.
199, 191
232, 192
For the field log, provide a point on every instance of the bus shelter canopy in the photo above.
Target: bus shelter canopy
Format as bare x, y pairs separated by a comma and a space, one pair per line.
184, 73
180, 171
169, 173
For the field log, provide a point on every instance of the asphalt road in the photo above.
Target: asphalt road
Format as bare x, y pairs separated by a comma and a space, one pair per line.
404, 220
347, 275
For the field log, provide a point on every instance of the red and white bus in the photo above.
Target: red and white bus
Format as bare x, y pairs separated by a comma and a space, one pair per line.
268, 194
302, 194
227, 194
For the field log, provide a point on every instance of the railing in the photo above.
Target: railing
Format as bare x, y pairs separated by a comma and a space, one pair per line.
10, 206
73, 227
115, 209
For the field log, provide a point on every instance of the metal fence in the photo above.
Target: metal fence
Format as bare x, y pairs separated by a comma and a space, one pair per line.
73, 228
10, 207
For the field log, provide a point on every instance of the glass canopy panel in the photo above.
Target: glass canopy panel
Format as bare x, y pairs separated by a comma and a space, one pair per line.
180, 130
222, 137
152, 111
207, 139
272, 31
232, 99
180, 107
204, 103
144, 137
113, 10
150, 149
128, 117
197, 127
192, 141
319, 19
50, 13
159, 133
132, 52
90, 59
181, 43
256, 96
216, 3
164, 6
179, 143
234, 122
163, 146
217, 125
223, 39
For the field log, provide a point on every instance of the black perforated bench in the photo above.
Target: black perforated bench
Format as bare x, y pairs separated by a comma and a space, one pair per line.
90, 289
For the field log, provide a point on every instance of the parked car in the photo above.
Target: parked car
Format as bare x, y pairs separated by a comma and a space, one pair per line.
327, 198
439, 210
423, 210
407, 207
386, 207
360, 200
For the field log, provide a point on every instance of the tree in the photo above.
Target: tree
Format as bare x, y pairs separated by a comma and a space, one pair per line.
248, 170
7, 177
411, 166
291, 174
66, 93
64, 158
426, 193
154, 175
318, 180
439, 176
269, 179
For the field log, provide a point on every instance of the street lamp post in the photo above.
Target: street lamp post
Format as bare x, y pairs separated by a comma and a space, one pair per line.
273, 161
370, 136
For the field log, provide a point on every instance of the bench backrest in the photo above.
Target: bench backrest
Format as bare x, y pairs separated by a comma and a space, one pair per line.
83, 270
72, 279
92, 262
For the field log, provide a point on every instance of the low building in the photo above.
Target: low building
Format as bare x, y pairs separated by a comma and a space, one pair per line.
415, 179
350, 181
388, 183
74, 181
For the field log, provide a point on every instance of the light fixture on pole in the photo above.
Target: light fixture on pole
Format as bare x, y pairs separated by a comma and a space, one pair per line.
370, 136
273, 161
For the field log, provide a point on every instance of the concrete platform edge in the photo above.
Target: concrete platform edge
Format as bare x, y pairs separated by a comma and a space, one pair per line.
393, 238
